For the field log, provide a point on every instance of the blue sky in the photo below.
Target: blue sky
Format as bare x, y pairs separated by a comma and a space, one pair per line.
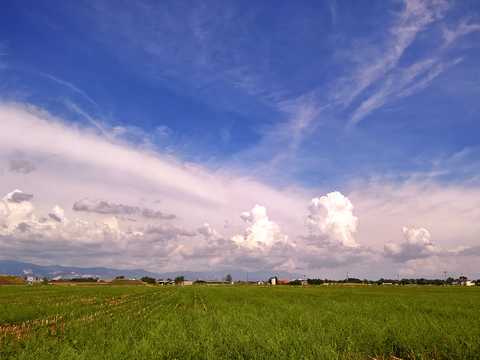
368, 99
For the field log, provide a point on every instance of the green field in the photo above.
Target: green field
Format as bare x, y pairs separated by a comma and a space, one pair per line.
239, 322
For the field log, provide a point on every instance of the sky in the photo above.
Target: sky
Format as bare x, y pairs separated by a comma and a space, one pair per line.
320, 138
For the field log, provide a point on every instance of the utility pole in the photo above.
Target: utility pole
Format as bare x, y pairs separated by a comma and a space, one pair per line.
247, 277
445, 277
347, 277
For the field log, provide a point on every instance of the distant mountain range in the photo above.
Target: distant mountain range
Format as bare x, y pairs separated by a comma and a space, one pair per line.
10, 267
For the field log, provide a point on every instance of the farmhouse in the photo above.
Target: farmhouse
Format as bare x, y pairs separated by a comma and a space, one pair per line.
463, 281
32, 279
165, 282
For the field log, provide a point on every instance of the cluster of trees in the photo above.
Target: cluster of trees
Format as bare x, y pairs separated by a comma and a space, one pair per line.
148, 280
327, 281
294, 282
421, 281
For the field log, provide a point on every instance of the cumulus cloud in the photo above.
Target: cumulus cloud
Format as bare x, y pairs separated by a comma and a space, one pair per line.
16, 208
262, 232
161, 232
417, 245
263, 246
212, 251
104, 207
263, 243
331, 221
23, 166
331, 242
208, 233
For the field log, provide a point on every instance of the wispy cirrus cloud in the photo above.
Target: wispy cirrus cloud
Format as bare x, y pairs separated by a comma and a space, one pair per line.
374, 63
401, 83
463, 29
70, 86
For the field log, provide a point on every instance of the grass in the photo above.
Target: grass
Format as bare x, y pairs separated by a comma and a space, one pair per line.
126, 282
239, 322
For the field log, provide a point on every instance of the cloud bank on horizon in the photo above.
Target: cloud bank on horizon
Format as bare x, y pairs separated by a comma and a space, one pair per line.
242, 135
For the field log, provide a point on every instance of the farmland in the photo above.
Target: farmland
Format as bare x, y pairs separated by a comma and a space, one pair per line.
239, 322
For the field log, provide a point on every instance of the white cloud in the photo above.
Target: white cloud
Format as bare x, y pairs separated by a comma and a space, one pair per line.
396, 82
72, 87
263, 246
331, 242
16, 208
463, 29
84, 164
417, 245
451, 213
375, 63
59, 239
331, 221
80, 163
262, 233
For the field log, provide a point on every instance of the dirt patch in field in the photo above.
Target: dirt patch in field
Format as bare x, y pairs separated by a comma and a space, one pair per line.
10, 331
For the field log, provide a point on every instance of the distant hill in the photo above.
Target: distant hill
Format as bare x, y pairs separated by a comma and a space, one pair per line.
18, 268
11, 280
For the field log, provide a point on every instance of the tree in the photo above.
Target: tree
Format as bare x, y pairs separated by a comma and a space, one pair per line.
229, 278
45, 280
179, 280
120, 277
